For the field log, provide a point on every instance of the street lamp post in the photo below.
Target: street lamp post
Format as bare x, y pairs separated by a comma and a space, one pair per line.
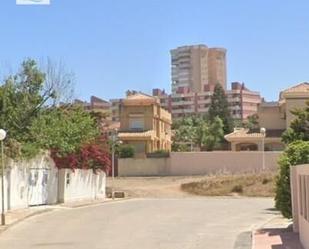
263, 132
113, 161
2, 137
114, 142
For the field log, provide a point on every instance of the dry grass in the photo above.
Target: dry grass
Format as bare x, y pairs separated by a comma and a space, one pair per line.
254, 185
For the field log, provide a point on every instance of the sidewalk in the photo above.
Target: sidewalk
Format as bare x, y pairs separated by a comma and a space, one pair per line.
14, 216
276, 234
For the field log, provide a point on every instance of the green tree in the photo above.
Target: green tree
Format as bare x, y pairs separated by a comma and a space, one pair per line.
209, 134
184, 134
299, 127
296, 153
21, 100
31, 125
64, 129
252, 122
219, 107
197, 131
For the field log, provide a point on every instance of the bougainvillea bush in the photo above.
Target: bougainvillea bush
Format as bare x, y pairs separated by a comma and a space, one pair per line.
89, 156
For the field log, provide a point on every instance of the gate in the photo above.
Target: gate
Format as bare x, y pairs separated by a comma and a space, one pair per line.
38, 187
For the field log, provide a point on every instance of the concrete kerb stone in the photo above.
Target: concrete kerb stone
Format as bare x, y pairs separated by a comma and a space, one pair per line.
42, 211
93, 203
56, 207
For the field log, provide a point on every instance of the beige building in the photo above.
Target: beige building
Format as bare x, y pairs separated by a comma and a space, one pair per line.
242, 102
115, 109
95, 104
197, 68
144, 124
275, 117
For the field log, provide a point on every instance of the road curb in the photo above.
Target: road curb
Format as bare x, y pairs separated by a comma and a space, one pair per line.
54, 208
43, 211
92, 204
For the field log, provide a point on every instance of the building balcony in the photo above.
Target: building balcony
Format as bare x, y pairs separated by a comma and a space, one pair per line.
204, 101
235, 108
202, 110
179, 111
251, 100
250, 108
178, 103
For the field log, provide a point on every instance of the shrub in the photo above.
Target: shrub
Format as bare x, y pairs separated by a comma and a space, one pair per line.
90, 156
296, 153
126, 151
237, 189
159, 153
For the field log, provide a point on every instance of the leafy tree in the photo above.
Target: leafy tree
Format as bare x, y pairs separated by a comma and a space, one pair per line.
299, 128
219, 107
296, 153
209, 134
21, 100
185, 133
205, 134
64, 129
33, 126
252, 122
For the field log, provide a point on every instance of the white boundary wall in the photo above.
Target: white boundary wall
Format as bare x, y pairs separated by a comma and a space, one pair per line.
81, 185
300, 202
19, 193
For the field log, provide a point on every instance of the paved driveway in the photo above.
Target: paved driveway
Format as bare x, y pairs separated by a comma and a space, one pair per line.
208, 223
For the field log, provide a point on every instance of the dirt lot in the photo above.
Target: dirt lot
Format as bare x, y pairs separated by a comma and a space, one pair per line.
153, 187
258, 185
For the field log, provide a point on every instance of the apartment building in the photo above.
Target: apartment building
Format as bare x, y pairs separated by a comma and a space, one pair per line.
95, 104
242, 102
274, 118
107, 124
115, 109
144, 124
197, 68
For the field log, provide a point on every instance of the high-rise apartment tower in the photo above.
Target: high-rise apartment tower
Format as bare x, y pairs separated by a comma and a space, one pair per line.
197, 68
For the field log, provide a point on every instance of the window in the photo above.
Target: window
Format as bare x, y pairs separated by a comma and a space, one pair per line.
137, 123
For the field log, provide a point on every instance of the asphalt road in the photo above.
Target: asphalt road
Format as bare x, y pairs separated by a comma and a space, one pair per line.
187, 223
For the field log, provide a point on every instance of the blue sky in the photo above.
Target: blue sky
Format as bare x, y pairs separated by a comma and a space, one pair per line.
113, 46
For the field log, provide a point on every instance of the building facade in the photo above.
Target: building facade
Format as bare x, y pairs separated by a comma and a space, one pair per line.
115, 109
103, 110
197, 68
95, 104
144, 124
275, 118
242, 102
